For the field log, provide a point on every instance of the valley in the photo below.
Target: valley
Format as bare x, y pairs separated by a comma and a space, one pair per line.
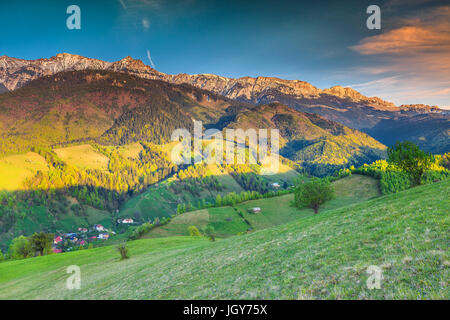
86, 158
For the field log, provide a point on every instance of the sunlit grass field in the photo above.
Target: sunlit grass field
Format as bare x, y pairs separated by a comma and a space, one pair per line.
323, 256
83, 156
16, 168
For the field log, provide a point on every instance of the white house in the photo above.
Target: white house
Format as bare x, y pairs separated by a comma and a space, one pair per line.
128, 220
99, 227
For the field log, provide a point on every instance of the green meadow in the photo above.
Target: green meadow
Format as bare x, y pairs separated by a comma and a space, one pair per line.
274, 211
323, 256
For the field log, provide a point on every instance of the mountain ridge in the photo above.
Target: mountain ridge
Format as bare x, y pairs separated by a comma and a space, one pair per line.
340, 104
117, 108
67, 62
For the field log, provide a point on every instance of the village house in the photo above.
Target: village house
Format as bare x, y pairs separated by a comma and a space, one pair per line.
103, 236
275, 185
56, 250
82, 229
128, 220
57, 240
99, 227
256, 210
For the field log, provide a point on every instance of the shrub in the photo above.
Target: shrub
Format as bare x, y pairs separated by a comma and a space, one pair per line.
313, 194
210, 233
123, 250
193, 231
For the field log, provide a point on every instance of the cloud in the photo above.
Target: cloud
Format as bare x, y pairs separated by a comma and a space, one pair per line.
405, 40
123, 4
150, 59
376, 84
145, 23
411, 60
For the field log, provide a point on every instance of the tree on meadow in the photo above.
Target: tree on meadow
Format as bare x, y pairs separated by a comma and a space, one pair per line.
313, 193
409, 158
40, 242
20, 248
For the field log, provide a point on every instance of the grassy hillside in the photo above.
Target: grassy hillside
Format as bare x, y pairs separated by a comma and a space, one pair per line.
161, 201
274, 211
89, 104
316, 143
323, 256
83, 156
15, 169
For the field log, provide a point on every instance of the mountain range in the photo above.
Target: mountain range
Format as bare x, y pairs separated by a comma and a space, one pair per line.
428, 126
116, 109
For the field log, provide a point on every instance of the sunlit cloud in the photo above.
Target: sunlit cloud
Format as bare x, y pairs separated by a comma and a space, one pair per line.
406, 40
412, 59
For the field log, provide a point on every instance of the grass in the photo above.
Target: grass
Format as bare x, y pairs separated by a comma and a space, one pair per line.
274, 211
130, 150
322, 256
160, 201
83, 157
15, 169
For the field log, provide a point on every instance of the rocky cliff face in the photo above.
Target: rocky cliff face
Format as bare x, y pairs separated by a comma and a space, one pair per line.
343, 105
15, 73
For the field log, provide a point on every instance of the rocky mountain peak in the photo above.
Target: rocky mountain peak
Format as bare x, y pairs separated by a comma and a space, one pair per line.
342, 104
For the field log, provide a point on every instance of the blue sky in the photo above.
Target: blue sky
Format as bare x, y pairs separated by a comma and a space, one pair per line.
323, 42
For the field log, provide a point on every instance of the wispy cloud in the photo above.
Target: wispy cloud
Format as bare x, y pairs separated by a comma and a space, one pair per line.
122, 2
145, 23
150, 59
376, 84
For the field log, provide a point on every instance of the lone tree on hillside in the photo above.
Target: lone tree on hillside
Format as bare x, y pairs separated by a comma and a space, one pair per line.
313, 194
41, 241
210, 233
409, 158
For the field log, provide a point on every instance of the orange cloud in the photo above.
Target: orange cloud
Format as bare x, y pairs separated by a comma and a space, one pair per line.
405, 40
412, 59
